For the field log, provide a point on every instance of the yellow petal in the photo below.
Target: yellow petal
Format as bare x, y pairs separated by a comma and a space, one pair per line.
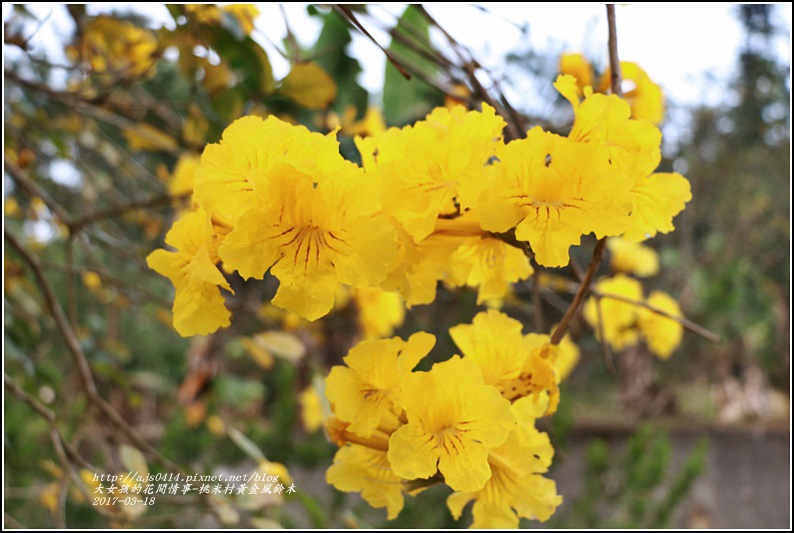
411, 454
494, 341
308, 293
356, 468
282, 344
199, 309
577, 66
632, 258
466, 469
453, 419
657, 199
662, 334
618, 318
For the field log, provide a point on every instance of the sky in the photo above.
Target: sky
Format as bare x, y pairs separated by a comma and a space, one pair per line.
682, 46
689, 49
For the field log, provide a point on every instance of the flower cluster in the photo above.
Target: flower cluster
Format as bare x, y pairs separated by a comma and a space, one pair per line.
468, 422
432, 203
644, 96
618, 310
623, 316
116, 46
447, 200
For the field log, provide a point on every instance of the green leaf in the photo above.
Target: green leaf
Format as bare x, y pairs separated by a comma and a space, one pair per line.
407, 100
245, 444
313, 509
245, 57
329, 53
133, 460
228, 103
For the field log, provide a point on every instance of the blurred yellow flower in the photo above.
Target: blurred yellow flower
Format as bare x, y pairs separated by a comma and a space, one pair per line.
117, 46
577, 66
632, 258
645, 97
618, 319
245, 14
311, 405
181, 181
567, 358
662, 334
379, 312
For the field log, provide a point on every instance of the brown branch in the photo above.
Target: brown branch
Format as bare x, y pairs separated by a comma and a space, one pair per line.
469, 66
451, 40
616, 75
83, 367
22, 180
537, 301
65, 329
292, 48
81, 104
71, 281
121, 209
584, 286
410, 40
60, 508
685, 322
108, 278
49, 416
75, 225
513, 131
607, 353
348, 14
598, 252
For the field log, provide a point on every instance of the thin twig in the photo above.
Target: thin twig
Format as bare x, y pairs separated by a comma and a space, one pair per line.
79, 103
72, 343
83, 367
290, 42
48, 415
21, 178
451, 40
469, 66
537, 302
348, 14
57, 443
71, 281
598, 252
121, 209
602, 336
584, 286
685, 322
616, 75
112, 280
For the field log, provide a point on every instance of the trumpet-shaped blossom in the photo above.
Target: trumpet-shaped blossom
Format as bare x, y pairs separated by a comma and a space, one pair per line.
453, 420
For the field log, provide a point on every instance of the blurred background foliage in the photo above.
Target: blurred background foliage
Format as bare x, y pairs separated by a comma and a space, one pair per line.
91, 186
